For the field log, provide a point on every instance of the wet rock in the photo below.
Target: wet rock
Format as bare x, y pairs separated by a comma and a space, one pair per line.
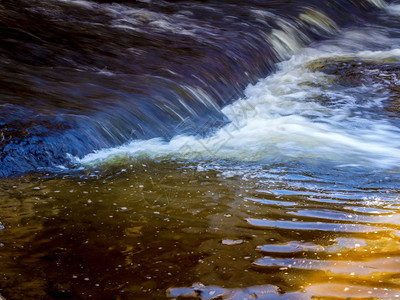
383, 74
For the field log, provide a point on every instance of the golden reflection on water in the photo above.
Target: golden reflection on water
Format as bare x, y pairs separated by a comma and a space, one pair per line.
164, 229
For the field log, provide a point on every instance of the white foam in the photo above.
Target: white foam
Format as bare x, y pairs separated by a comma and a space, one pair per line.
283, 116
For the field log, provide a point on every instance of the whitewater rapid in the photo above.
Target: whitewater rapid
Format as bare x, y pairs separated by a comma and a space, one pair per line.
296, 113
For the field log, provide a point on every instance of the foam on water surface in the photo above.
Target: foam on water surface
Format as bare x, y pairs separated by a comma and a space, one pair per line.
296, 113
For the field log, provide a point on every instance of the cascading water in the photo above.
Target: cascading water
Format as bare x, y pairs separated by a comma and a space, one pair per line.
199, 149
79, 76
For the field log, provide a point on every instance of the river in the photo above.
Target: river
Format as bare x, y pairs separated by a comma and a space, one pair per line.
199, 149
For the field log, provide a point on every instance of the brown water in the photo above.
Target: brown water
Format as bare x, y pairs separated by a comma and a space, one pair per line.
169, 229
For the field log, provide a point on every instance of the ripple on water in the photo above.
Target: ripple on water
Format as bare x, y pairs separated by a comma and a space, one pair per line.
194, 233
315, 226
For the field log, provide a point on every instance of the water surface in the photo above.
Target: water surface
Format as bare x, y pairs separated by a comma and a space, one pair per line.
199, 150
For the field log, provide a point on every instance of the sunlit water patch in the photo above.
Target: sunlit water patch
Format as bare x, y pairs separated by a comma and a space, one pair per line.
175, 229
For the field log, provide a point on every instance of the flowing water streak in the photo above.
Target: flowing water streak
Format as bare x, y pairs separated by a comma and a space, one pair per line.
286, 116
108, 73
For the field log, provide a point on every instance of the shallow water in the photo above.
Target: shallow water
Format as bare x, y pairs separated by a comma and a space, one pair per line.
168, 229
212, 165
